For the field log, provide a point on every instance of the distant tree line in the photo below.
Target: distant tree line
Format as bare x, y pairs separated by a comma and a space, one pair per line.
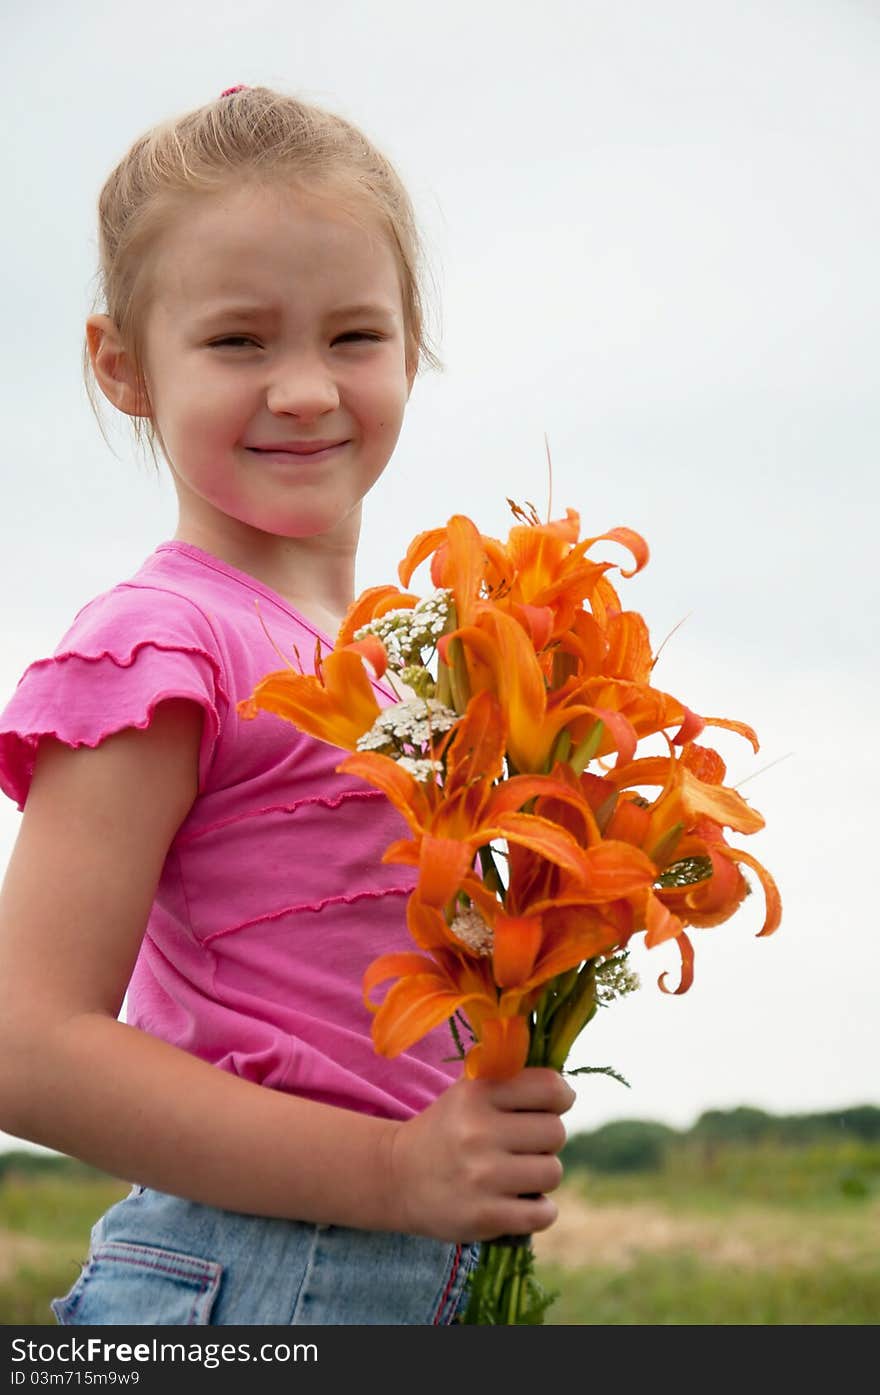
627, 1145
19, 1161
640, 1145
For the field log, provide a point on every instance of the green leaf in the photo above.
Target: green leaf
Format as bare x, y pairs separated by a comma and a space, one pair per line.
599, 1070
686, 872
457, 1039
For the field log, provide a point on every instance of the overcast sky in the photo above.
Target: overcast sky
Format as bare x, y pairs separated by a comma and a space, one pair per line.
653, 230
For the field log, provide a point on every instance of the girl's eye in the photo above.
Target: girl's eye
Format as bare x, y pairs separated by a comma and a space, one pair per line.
358, 334
232, 339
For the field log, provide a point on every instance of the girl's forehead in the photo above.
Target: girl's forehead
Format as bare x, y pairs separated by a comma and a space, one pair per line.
253, 239
242, 216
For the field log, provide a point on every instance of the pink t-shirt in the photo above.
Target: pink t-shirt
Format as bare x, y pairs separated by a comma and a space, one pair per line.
273, 898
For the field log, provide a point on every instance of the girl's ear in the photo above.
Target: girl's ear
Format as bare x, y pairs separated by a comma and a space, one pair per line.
112, 366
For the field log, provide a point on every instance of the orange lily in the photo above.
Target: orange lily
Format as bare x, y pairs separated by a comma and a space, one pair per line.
497, 991
337, 704
430, 991
547, 673
459, 561
684, 826
546, 566
550, 672
501, 660
470, 811
541, 574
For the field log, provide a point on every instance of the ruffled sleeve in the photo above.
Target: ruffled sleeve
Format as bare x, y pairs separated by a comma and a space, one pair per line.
125, 653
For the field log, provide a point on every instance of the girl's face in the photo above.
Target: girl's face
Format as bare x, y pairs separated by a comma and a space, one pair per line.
274, 357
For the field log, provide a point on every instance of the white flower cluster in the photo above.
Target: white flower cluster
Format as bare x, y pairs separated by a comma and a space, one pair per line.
420, 770
408, 724
473, 931
404, 730
405, 633
614, 979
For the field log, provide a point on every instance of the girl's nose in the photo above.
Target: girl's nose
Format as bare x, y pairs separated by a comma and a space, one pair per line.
303, 388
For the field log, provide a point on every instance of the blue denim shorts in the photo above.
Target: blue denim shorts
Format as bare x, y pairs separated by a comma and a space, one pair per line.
159, 1260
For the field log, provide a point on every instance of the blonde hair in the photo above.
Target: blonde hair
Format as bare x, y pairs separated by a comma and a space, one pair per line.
252, 134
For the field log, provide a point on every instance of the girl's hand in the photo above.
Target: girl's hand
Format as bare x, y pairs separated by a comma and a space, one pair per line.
477, 1162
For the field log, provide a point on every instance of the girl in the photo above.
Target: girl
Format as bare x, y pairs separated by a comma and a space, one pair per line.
263, 325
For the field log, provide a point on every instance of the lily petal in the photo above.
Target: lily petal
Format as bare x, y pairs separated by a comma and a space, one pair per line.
501, 1051
741, 728
517, 940
421, 547
628, 538
399, 787
338, 710
370, 605
393, 966
373, 650
660, 923
718, 803
686, 950
413, 1007
771, 891
443, 864
689, 729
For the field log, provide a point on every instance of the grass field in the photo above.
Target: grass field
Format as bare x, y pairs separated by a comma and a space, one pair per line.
44, 1236
729, 1235
732, 1234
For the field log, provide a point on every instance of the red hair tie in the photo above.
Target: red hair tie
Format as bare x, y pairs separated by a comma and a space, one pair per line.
242, 87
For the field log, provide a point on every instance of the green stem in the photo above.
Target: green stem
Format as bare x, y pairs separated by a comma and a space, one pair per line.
502, 1264
444, 686
561, 988
576, 1012
503, 1289
584, 752
554, 998
514, 1298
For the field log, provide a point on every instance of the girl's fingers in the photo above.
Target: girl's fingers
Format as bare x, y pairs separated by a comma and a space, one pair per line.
531, 1133
536, 1088
522, 1216
528, 1178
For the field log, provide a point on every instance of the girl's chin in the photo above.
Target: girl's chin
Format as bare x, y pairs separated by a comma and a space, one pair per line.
312, 523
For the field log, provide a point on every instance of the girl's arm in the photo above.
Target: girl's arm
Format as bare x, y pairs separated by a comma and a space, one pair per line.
74, 904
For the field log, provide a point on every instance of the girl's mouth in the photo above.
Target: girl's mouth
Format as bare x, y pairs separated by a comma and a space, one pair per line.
287, 454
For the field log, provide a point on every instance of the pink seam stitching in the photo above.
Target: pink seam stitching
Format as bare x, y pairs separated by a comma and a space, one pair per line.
192, 649
176, 1271
448, 1288
175, 854
297, 910
23, 770
32, 739
202, 1281
328, 801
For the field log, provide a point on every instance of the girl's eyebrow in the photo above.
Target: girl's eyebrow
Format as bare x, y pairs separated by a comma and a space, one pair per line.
373, 309
254, 311
239, 312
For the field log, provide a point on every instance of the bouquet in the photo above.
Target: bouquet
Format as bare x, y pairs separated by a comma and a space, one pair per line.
544, 833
